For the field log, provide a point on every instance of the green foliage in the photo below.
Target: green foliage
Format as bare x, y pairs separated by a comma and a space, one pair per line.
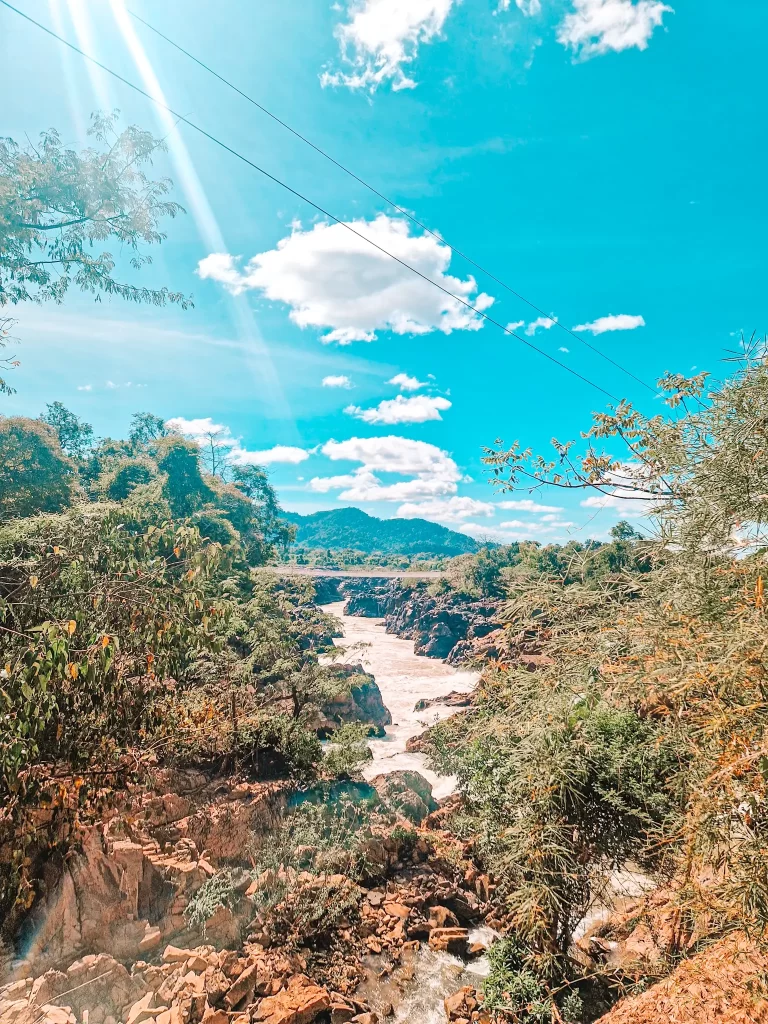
145, 429
75, 436
58, 206
6, 362
125, 475
348, 751
35, 475
184, 489
217, 892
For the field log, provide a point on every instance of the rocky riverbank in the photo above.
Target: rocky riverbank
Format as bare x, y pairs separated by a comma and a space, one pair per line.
120, 946
442, 623
165, 912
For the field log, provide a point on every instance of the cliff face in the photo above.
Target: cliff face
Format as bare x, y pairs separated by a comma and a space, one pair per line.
442, 625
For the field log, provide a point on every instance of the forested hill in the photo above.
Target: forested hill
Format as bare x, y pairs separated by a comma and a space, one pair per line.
353, 528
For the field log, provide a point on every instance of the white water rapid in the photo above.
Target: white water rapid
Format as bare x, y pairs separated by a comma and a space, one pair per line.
419, 985
403, 678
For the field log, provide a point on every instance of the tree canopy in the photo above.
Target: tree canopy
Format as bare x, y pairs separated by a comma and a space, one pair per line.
59, 209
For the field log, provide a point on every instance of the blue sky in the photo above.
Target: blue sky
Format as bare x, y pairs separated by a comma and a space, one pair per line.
604, 158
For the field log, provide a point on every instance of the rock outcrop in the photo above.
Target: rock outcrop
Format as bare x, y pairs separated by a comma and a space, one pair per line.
406, 792
440, 623
362, 702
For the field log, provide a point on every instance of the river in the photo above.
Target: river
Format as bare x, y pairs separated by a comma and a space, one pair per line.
418, 987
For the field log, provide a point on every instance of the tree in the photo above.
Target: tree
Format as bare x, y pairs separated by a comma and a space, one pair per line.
57, 207
185, 489
146, 428
35, 474
75, 435
7, 362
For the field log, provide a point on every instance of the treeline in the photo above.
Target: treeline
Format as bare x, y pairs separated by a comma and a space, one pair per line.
642, 735
138, 628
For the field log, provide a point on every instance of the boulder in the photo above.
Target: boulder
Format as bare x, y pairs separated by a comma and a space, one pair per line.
449, 940
406, 792
362, 702
300, 1003
461, 1004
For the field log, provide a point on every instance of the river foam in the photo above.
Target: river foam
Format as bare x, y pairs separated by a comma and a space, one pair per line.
404, 678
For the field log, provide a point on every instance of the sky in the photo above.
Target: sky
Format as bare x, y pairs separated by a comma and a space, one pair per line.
603, 158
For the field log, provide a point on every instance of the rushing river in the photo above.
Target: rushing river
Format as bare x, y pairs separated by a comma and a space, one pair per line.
404, 678
418, 987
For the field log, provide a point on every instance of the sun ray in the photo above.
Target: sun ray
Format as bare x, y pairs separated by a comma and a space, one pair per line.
81, 20
205, 219
68, 71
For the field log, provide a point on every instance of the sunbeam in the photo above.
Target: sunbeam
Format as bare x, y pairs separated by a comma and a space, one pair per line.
205, 220
81, 20
68, 71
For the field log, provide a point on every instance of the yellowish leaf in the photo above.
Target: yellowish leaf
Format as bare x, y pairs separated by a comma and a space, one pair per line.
33, 581
71, 626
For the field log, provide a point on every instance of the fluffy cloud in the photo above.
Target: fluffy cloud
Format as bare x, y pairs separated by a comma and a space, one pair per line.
417, 409
599, 26
85, 387
433, 472
530, 8
335, 280
619, 322
337, 382
381, 36
280, 453
446, 510
517, 529
406, 383
200, 430
526, 505
542, 323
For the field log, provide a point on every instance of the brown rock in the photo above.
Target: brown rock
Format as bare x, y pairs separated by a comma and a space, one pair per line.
174, 955
461, 1004
397, 910
300, 1003
58, 1015
243, 988
212, 1016
442, 917
449, 940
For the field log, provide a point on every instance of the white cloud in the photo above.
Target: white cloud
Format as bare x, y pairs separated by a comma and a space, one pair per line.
406, 383
85, 387
433, 472
564, 349
334, 279
515, 325
530, 8
280, 453
381, 36
598, 26
199, 429
337, 382
526, 505
543, 323
618, 322
111, 384
417, 409
445, 510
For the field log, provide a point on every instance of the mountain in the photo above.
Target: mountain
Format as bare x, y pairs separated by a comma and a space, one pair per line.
353, 528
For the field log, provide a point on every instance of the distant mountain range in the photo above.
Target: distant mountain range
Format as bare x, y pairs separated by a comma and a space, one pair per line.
353, 528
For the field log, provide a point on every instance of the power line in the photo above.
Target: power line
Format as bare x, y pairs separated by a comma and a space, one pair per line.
305, 199
389, 202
